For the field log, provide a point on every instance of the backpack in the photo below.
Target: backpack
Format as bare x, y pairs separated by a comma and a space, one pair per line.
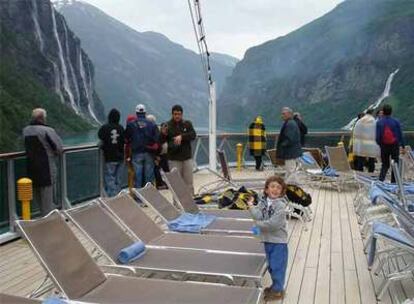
236, 199
388, 137
297, 195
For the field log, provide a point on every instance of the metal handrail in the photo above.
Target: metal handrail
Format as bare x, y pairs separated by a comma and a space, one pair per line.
200, 150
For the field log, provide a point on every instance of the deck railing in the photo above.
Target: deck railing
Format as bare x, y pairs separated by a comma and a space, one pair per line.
80, 171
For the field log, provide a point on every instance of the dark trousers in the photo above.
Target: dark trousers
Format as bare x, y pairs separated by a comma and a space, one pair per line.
360, 161
277, 258
258, 162
388, 151
163, 164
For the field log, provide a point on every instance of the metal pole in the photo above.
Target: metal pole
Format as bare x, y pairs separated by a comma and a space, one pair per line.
11, 197
64, 182
212, 128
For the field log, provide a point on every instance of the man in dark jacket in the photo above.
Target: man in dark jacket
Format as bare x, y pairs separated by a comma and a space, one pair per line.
43, 146
288, 145
302, 127
180, 135
112, 144
142, 135
389, 137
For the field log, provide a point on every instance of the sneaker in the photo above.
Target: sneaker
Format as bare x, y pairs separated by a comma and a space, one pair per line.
274, 295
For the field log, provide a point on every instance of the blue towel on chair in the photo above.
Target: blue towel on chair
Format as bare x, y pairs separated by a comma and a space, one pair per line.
188, 222
328, 171
374, 193
389, 232
308, 159
131, 253
393, 188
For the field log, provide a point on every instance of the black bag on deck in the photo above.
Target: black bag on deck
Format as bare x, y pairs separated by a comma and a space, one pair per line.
236, 199
297, 195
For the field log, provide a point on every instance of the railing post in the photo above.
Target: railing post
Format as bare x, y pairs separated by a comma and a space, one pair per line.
64, 182
101, 173
195, 154
11, 194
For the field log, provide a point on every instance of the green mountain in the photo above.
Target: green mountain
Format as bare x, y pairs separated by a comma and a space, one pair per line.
330, 69
143, 67
42, 65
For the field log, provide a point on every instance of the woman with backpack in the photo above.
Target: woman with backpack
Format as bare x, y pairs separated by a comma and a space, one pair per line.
389, 137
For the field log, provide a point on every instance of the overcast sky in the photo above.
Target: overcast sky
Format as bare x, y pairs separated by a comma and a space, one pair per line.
232, 26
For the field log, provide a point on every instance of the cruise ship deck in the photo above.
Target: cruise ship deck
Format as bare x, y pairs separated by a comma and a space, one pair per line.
326, 261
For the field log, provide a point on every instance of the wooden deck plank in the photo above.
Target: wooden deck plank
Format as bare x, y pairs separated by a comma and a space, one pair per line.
337, 284
365, 282
322, 293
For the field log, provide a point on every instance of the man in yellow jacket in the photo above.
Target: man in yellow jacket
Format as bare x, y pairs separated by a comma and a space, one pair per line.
257, 141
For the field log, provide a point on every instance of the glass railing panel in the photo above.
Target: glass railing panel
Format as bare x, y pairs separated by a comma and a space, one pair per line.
82, 175
4, 207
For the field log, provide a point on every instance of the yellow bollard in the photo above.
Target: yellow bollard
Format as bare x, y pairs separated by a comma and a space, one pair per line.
25, 195
239, 150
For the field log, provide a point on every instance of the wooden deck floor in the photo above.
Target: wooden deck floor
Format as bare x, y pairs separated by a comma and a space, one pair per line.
326, 261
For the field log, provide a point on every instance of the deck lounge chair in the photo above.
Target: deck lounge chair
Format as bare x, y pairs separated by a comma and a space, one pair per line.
167, 212
339, 162
401, 240
78, 277
110, 238
313, 172
226, 180
183, 197
139, 224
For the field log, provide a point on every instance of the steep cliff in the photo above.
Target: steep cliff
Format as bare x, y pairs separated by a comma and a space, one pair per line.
330, 69
43, 64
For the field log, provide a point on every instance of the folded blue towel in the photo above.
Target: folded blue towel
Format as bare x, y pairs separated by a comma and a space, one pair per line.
328, 171
307, 159
375, 193
393, 188
54, 300
188, 222
256, 230
131, 253
389, 232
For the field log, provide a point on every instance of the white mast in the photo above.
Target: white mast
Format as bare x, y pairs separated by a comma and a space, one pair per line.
197, 20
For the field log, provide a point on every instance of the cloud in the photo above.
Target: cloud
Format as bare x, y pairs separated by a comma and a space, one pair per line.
232, 26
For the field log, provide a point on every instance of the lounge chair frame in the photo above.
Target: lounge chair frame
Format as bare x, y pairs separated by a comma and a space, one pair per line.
153, 242
183, 275
103, 285
172, 209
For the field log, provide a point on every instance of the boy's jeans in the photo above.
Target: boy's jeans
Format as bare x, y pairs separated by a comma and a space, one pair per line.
144, 169
112, 177
277, 258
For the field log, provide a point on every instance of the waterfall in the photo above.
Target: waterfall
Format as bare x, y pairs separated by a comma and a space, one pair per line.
72, 73
87, 84
62, 62
57, 80
38, 31
385, 94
